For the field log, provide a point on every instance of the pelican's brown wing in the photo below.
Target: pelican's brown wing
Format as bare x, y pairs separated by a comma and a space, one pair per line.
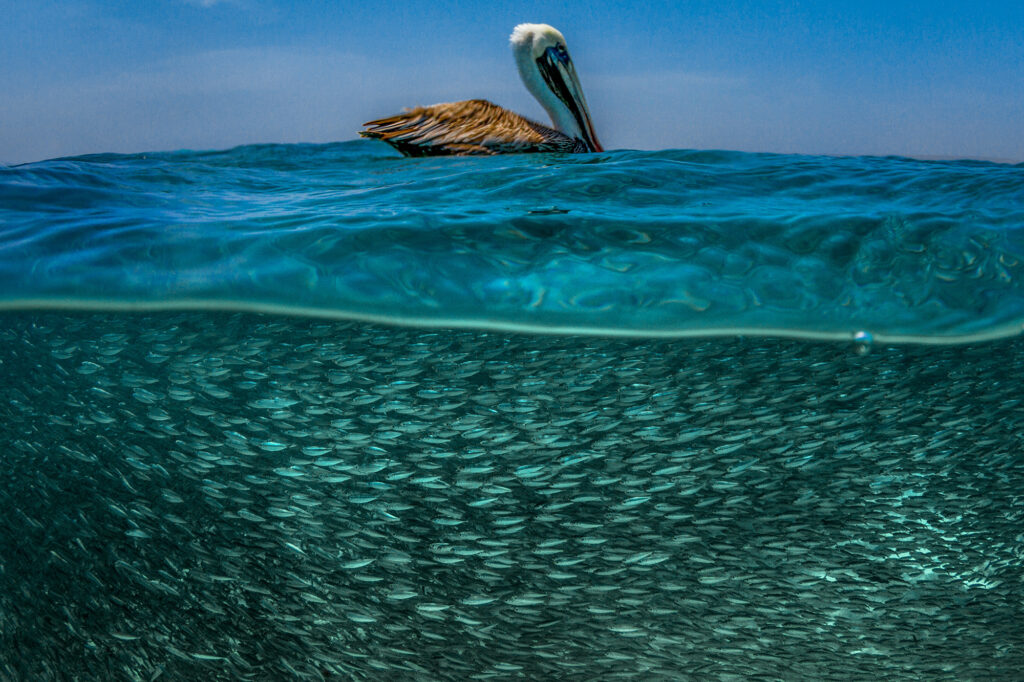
465, 128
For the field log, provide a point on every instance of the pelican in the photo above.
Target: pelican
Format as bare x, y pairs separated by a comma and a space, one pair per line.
477, 126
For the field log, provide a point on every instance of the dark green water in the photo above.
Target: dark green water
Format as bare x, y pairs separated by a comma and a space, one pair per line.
241, 496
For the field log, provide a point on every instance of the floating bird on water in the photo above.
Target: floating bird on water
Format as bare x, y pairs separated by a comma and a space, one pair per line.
477, 126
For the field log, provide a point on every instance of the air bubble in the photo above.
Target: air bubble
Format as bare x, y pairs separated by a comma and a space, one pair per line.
862, 342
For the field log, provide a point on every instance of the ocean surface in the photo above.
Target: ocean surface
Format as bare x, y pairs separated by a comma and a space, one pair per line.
324, 412
638, 243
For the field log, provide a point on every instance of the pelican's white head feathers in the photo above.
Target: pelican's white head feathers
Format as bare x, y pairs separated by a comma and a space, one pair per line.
536, 37
549, 75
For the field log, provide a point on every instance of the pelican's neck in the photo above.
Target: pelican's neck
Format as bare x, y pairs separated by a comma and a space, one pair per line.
561, 117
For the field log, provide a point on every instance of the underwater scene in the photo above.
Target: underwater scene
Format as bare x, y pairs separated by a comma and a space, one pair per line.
321, 412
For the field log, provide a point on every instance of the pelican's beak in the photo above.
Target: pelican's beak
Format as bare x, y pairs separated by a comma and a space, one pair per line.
560, 75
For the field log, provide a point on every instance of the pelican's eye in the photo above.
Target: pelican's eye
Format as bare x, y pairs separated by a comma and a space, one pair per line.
555, 54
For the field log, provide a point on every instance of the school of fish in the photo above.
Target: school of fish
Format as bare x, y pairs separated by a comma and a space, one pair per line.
242, 496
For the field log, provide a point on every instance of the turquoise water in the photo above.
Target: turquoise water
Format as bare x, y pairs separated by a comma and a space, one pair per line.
643, 243
323, 413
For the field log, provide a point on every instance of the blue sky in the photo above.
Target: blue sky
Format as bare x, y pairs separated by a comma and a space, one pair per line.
942, 78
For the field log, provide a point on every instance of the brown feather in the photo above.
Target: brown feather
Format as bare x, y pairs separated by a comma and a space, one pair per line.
471, 127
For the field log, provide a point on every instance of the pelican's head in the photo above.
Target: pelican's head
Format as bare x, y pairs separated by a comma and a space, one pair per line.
550, 76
